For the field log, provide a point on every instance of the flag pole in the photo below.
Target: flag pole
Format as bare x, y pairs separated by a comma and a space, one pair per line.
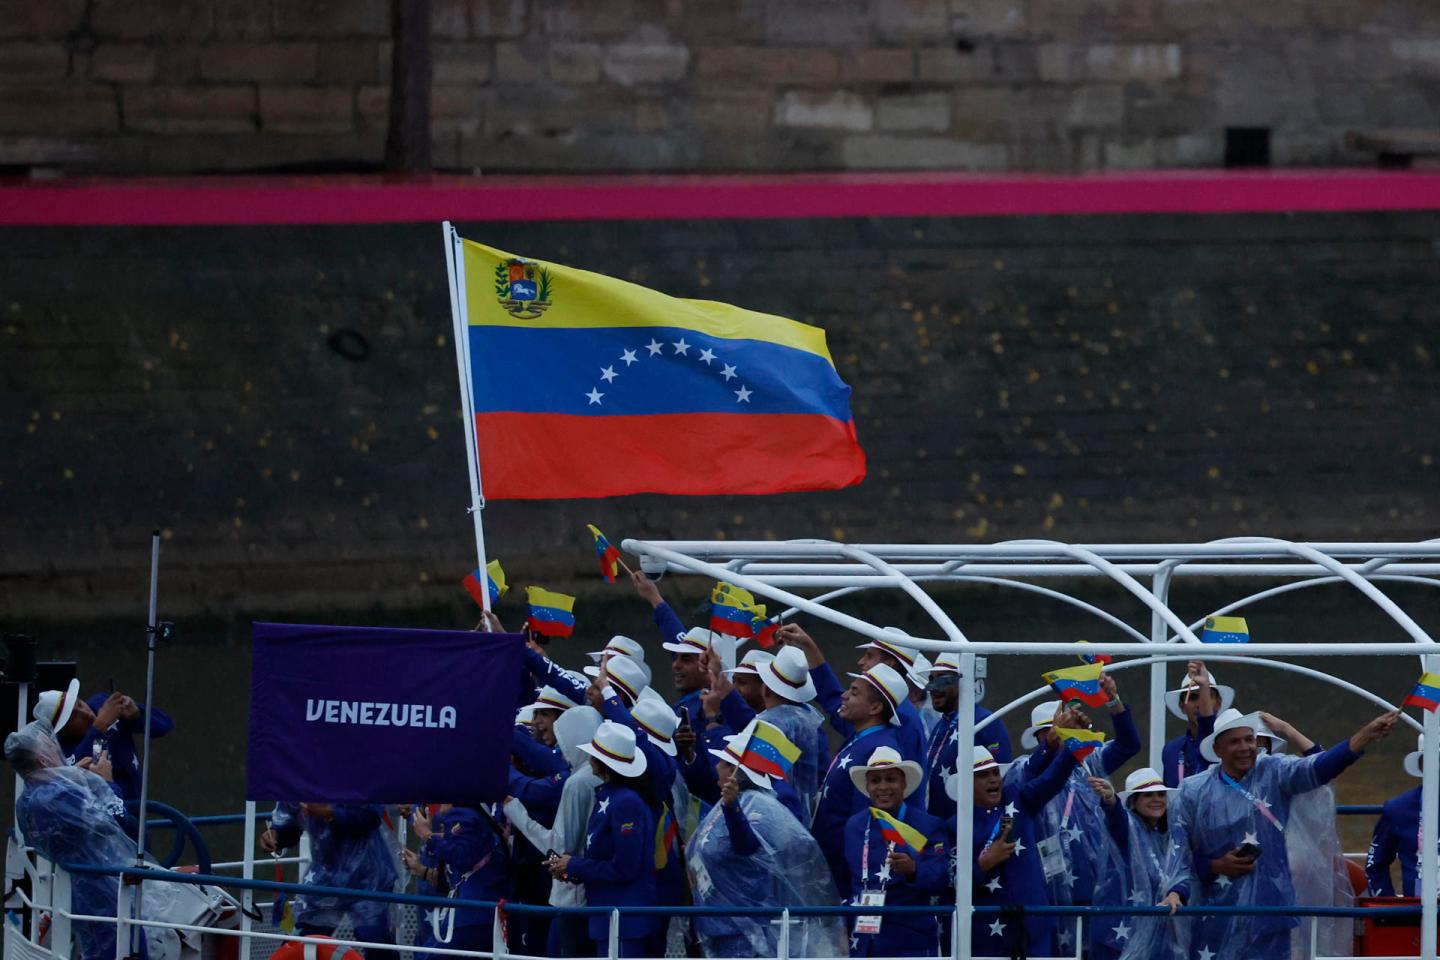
460, 321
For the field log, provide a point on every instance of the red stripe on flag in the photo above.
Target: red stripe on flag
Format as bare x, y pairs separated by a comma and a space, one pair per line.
538, 456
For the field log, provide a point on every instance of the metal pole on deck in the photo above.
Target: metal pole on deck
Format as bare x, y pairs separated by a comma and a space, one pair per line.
965, 807
1429, 823
152, 631
1159, 633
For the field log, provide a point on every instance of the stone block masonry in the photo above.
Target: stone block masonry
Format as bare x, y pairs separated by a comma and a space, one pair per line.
1092, 379
713, 85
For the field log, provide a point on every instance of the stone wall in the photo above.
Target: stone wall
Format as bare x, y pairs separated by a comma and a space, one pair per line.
569, 85
282, 402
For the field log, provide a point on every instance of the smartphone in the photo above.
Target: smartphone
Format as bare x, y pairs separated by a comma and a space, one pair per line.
1248, 851
684, 716
1005, 824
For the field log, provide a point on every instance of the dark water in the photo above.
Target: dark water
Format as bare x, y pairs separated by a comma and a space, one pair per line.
202, 675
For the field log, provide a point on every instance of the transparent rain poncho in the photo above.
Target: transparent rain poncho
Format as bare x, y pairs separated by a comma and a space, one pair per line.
348, 851
1134, 874
1317, 868
787, 870
1212, 817
71, 815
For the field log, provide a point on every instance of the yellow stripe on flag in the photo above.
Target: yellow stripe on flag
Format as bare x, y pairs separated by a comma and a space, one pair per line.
1084, 672
913, 838
497, 577
540, 597
593, 300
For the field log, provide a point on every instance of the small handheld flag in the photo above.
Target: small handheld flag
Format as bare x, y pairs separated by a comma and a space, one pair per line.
1079, 683
770, 751
1081, 743
551, 614
1095, 657
765, 630
494, 580
1426, 694
898, 832
667, 836
609, 556
1225, 630
733, 611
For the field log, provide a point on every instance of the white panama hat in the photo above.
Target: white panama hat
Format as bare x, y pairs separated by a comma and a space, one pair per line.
653, 715
551, 699
694, 640
888, 758
1172, 697
627, 676
1231, 719
614, 746
747, 667
787, 674
56, 706
890, 685
619, 644
1042, 717
1412, 760
1144, 780
984, 760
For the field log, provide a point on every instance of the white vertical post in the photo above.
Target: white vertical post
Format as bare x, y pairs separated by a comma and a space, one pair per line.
460, 324
1429, 822
1158, 634
964, 807
59, 914
784, 951
247, 871
124, 905
498, 946
612, 946
22, 703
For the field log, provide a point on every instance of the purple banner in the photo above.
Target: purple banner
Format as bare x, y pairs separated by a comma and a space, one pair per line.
371, 714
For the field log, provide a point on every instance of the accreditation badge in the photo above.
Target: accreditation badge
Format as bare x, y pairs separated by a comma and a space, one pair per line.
870, 923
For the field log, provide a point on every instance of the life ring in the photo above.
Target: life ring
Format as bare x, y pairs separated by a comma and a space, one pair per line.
303, 950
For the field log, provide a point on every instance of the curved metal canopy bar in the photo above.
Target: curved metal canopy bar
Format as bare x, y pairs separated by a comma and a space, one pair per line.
1257, 661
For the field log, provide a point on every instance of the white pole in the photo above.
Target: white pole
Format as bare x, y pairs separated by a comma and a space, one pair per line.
964, 807
1159, 633
1429, 823
460, 323
247, 871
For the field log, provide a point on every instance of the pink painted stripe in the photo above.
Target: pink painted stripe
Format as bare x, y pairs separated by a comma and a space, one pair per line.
197, 201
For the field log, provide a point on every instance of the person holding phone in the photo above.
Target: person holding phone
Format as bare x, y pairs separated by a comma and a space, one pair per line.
1140, 831
1005, 859
1230, 824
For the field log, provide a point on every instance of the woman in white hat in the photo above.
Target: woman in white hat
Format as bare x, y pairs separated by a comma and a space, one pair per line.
786, 692
894, 856
751, 851
617, 864
1136, 821
1397, 837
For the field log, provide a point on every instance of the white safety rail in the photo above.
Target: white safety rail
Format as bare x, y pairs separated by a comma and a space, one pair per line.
828, 570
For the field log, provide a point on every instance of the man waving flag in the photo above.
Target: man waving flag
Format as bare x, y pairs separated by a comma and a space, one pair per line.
588, 386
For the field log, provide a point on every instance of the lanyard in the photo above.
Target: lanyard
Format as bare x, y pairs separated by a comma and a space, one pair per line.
865, 850
942, 736
1069, 803
1259, 804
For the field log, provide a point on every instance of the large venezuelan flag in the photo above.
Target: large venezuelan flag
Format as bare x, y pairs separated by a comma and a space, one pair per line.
588, 386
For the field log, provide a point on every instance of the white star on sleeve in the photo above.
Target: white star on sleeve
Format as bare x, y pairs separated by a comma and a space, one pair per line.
654, 346
594, 396
1122, 932
727, 371
681, 347
706, 356
1010, 808
608, 374
603, 805
1206, 954
1250, 838
994, 884
628, 357
743, 395
1019, 846
997, 929
1137, 896
1066, 938
1223, 882
845, 761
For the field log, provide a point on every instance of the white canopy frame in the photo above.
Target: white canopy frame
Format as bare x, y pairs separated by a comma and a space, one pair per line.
775, 569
